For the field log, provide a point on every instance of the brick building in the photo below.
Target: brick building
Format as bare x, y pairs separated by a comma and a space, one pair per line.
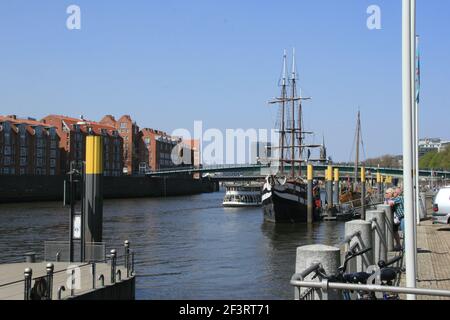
28, 147
134, 151
160, 146
72, 133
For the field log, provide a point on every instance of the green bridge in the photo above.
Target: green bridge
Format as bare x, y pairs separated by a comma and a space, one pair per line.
260, 170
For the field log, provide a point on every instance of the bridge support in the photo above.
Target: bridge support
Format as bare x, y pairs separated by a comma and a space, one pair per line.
336, 187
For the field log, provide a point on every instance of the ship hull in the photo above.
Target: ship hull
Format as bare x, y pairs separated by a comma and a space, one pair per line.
285, 203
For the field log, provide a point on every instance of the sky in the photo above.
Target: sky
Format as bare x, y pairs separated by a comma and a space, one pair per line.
170, 63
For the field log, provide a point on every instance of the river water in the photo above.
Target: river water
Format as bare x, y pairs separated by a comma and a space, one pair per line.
187, 247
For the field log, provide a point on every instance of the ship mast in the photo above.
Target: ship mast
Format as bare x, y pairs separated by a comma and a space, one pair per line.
283, 111
293, 76
358, 135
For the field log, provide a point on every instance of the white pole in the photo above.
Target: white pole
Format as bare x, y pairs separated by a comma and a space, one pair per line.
407, 147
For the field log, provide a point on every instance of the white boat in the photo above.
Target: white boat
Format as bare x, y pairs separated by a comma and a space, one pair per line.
242, 195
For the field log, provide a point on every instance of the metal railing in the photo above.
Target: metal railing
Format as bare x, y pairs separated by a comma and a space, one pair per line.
41, 288
325, 287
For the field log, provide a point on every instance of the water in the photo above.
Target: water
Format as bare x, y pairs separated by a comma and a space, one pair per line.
187, 247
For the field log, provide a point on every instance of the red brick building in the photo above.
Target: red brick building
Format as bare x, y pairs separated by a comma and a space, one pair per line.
28, 147
134, 151
160, 147
72, 133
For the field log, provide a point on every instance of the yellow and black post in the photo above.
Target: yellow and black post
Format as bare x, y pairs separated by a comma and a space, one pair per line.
310, 198
329, 185
336, 187
379, 184
363, 193
93, 191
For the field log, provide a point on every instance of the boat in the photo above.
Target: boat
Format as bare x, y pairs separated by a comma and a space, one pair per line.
247, 194
284, 194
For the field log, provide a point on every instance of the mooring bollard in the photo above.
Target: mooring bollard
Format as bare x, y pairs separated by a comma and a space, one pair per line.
389, 222
310, 200
49, 268
377, 217
336, 187
329, 176
363, 193
30, 257
28, 274
113, 266
328, 257
362, 241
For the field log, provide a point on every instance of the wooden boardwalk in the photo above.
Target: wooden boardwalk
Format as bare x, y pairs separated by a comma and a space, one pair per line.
15, 272
433, 258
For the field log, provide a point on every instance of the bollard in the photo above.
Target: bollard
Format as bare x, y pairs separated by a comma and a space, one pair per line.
28, 274
336, 191
49, 268
423, 206
363, 193
329, 186
389, 222
127, 256
93, 188
328, 257
310, 199
378, 234
113, 266
30, 257
362, 241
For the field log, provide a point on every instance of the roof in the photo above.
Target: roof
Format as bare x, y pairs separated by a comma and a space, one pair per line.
29, 122
84, 124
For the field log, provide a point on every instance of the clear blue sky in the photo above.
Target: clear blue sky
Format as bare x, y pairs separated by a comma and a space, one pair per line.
168, 63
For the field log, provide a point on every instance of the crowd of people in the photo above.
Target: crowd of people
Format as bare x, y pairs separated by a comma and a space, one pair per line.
394, 198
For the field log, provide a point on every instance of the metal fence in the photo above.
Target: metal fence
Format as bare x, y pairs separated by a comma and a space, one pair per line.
53, 284
59, 251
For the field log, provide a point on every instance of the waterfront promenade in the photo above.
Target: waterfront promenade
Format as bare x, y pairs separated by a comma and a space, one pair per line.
433, 257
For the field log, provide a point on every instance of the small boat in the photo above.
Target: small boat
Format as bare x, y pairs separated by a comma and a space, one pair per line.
242, 195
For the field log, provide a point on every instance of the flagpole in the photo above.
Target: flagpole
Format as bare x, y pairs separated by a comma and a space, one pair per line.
416, 128
407, 63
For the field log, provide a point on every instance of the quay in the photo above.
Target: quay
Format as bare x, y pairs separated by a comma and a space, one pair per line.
433, 258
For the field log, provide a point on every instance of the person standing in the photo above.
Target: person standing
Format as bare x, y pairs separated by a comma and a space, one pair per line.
397, 205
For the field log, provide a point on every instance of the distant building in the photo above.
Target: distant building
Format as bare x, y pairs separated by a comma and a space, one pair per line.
72, 133
431, 145
134, 151
28, 147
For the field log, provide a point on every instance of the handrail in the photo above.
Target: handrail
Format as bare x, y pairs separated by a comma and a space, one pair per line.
302, 275
325, 285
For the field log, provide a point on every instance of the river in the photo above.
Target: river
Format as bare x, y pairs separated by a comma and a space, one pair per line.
186, 247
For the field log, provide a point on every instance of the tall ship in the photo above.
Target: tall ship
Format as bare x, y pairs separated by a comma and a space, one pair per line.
284, 194
246, 194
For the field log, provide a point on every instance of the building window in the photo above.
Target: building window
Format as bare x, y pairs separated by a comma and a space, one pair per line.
52, 163
123, 125
7, 161
53, 154
5, 170
23, 161
52, 172
22, 171
39, 162
23, 151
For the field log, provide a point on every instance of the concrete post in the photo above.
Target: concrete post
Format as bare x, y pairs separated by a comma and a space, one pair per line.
93, 215
336, 187
389, 220
329, 257
423, 206
363, 193
329, 177
378, 234
363, 241
310, 199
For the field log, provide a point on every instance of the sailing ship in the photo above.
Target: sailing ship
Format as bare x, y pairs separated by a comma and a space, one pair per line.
284, 194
